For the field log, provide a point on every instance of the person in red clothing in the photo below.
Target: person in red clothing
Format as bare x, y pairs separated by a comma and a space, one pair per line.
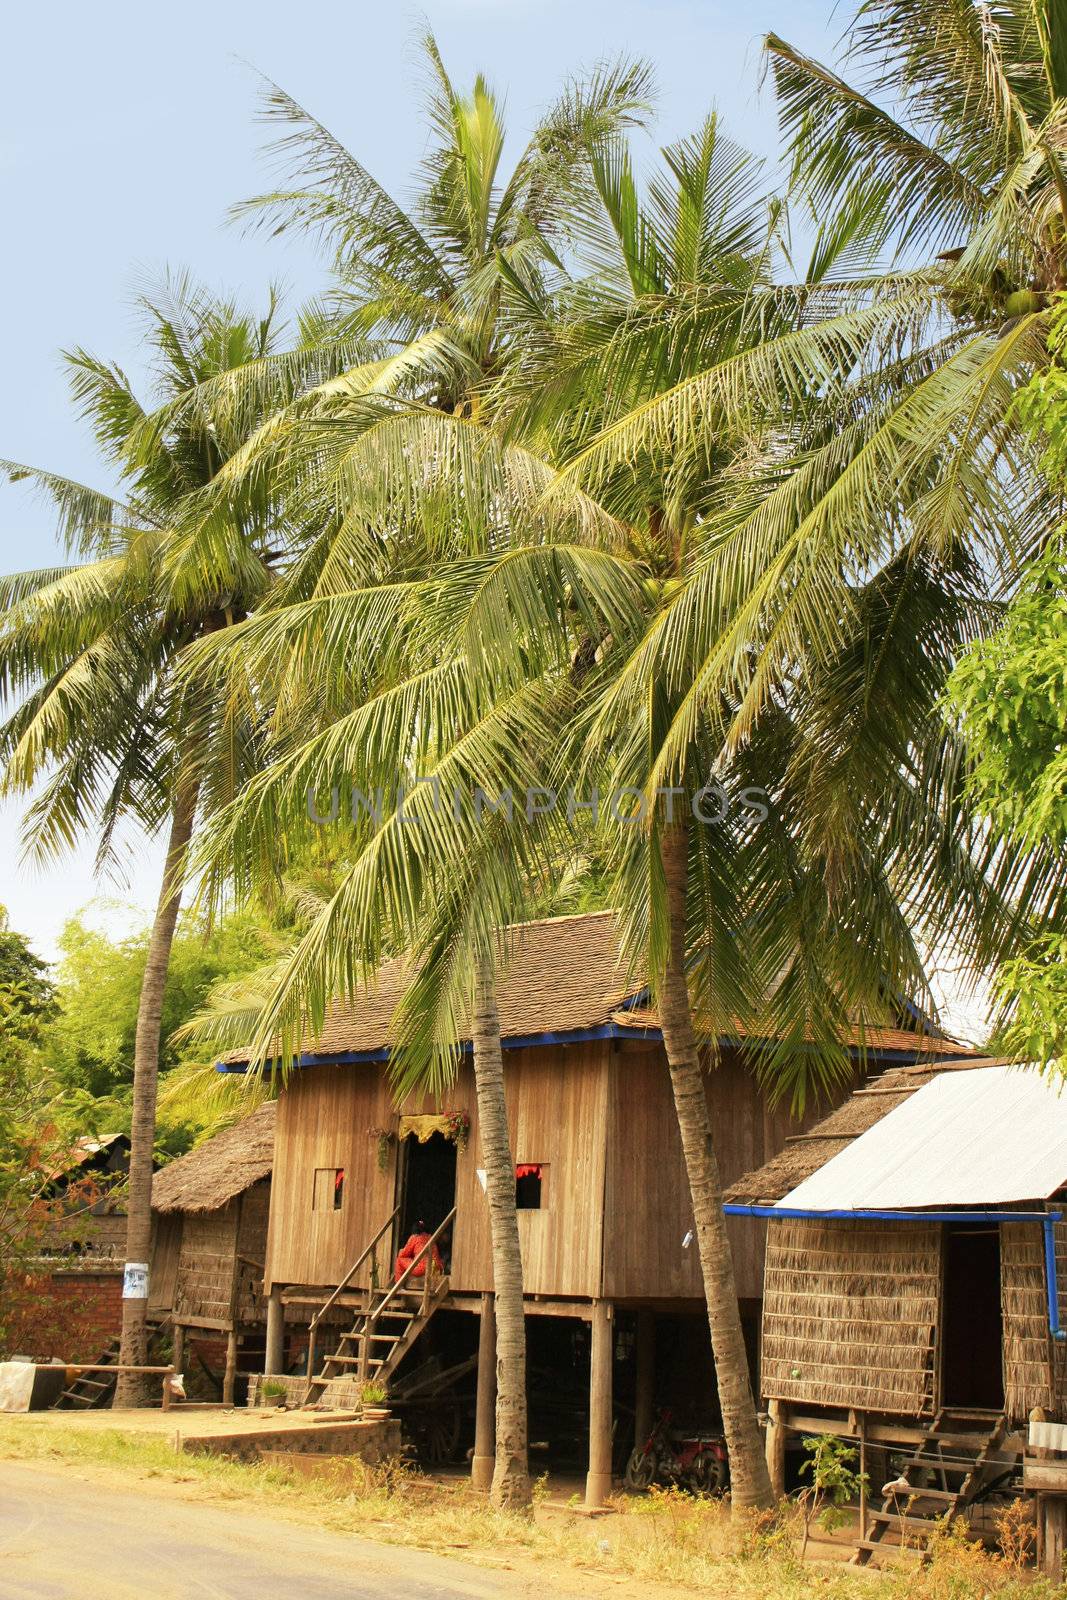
410, 1249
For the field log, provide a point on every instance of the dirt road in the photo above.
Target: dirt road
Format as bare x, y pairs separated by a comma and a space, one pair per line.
65, 1535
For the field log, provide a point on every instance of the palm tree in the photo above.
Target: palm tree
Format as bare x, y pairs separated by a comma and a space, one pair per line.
434, 288
672, 287
831, 480
87, 652
903, 495
676, 282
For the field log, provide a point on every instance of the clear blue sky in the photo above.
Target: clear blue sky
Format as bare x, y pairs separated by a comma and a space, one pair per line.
126, 132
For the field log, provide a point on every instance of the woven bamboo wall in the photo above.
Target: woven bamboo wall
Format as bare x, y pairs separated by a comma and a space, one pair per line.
205, 1284
1028, 1379
250, 1304
851, 1313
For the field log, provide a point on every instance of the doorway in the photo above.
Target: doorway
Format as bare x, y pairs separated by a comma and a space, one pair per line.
427, 1183
972, 1328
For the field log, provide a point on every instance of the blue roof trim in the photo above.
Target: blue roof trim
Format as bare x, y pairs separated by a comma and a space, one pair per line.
520, 1041
529, 1041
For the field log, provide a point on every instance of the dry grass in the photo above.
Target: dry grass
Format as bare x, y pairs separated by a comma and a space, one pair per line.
666, 1541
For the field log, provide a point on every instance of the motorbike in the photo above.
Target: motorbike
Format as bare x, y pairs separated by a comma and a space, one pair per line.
696, 1462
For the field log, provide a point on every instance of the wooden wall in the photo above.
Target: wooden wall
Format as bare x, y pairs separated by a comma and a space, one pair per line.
557, 1112
648, 1207
598, 1116
163, 1273
249, 1299
851, 1314
325, 1118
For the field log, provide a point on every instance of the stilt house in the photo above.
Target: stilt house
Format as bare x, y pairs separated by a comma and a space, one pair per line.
914, 1281
211, 1210
611, 1275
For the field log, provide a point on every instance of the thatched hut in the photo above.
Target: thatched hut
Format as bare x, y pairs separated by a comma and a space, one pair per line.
211, 1211
914, 1282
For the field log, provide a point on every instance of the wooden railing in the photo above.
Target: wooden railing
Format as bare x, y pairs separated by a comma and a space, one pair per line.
372, 1252
371, 1321
78, 1370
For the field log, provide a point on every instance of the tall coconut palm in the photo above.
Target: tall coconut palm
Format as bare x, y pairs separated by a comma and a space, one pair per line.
834, 493
903, 495
87, 652
676, 281
434, 287
672, 287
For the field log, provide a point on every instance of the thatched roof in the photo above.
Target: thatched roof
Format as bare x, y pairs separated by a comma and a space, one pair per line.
560, 976
877, 1041
805, 1153
220, 1168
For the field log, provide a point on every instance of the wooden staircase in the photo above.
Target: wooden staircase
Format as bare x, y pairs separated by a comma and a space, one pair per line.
386, 1325
91, 1389
961, 1454
379, 1339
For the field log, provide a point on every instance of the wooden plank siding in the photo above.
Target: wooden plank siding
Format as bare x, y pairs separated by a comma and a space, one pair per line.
598, 1116
557, 1114
166, 1248
648, 1210
851, 1314
325, 1118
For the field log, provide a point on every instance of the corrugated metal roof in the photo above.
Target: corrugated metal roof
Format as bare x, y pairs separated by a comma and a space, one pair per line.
984, 1137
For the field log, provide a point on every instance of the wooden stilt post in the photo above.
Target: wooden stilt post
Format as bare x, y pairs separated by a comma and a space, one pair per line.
776, 1446
484, 1459
231, 1368
645, 1400
1052, 1534
274, 1359
598, 1480
178, 1346
863, 1473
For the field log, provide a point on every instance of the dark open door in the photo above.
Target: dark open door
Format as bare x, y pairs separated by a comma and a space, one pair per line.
427, 1183
972, 1329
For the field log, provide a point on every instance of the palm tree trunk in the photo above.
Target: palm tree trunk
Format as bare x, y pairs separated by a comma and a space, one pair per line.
511, 1477
749, 1479
134, 1345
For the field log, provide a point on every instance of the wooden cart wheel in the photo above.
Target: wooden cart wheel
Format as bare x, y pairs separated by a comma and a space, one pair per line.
434, 1427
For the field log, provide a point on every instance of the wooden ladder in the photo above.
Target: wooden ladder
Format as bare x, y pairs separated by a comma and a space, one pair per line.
384, 1329
958, 1449
85, 1392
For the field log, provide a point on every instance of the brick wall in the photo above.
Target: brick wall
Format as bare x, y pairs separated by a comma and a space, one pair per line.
69, 1316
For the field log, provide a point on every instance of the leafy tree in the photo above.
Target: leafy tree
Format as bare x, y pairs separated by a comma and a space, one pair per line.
34, 1143
90, 1043
87, 651
1008, 694
27, 992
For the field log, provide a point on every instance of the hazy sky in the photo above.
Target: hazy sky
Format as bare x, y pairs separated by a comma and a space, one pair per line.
126, 131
